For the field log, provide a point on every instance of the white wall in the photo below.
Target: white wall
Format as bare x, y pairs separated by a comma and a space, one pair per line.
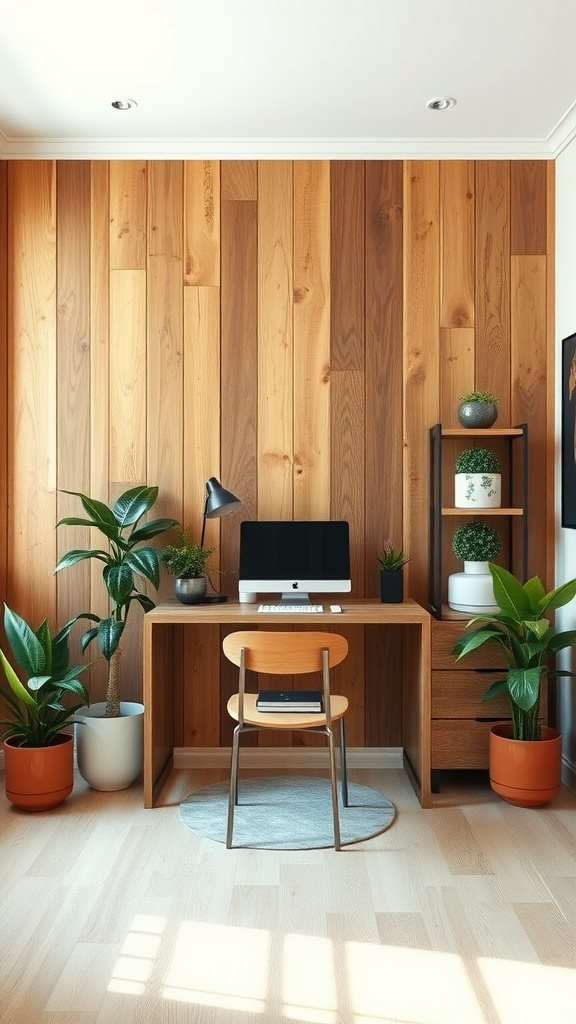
565, 539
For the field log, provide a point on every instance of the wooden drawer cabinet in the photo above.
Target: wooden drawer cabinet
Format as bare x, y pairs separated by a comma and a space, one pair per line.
459, 695
460, 719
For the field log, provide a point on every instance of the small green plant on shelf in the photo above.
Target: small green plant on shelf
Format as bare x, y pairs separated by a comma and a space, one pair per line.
477, 460
476, 542
391, 560
185, 559
479, 396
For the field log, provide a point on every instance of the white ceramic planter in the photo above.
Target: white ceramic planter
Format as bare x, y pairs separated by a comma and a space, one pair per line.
477, 490
472, 590
110, 750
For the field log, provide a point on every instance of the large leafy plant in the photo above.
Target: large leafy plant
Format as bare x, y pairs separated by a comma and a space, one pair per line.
40, 707
527, 640
126, 557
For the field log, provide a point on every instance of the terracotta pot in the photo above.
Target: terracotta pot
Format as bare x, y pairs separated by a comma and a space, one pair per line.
526, 773
39, 778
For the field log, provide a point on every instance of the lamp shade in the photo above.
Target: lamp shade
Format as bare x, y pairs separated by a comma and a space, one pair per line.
219, 501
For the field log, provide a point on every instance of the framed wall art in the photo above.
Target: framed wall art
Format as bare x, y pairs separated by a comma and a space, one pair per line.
569, 431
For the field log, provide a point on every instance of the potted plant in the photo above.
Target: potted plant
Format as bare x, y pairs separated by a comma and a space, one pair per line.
525, 755
477, 479
38, 753
476, 544
391, 563
478, 409
110, 734
187, 561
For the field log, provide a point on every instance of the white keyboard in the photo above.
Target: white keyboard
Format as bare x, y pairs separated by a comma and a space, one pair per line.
291, 608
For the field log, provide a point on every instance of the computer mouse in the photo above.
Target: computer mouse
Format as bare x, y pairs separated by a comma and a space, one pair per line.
335, 608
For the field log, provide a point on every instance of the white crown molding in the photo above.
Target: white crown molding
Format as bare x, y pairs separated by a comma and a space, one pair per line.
563, 133
286, 149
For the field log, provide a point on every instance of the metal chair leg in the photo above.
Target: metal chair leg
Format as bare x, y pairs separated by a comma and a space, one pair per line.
233, 791
343, 765
334, 791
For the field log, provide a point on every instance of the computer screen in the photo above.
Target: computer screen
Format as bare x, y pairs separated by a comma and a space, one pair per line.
294, 558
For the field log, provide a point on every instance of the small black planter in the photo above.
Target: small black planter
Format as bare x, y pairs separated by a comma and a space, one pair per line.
391, 586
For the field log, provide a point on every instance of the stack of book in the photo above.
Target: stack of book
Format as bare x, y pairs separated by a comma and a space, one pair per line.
289, 700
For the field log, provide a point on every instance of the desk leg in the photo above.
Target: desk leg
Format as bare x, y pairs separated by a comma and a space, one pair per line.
158, 691
417, 710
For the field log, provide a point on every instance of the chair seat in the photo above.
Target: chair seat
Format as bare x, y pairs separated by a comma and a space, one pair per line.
285, 719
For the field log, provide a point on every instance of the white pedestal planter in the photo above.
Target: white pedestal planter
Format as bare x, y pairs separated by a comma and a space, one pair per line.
472, 590
477, 490
110, 750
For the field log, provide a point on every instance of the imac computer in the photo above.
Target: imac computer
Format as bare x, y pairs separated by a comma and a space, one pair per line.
293, 559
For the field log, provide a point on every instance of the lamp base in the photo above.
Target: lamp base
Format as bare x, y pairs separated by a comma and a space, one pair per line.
214, 599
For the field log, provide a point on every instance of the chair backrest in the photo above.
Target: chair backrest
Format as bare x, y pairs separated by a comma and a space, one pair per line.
285, 653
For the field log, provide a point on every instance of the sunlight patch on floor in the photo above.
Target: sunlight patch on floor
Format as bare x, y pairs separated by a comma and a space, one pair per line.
219, 965
530, 993
423, 987
308, 981
139, 951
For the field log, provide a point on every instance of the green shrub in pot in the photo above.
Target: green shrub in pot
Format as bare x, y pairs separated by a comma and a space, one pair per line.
476, 542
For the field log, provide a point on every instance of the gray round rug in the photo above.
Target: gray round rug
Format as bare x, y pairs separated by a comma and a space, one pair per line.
286, 813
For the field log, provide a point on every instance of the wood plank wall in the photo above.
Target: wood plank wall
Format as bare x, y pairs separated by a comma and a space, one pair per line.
293, 328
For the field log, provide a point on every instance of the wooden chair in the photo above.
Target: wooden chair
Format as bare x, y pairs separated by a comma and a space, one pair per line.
288, 653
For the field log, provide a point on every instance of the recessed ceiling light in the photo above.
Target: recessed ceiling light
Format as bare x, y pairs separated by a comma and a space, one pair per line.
441, 103
124, 104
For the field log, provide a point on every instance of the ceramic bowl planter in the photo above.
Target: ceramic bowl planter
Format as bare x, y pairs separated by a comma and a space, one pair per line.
39, 778
525, 773
190, 590
110, 750
472, 591
478, 410
477, 479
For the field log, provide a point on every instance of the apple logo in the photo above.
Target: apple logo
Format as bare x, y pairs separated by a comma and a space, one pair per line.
295, 586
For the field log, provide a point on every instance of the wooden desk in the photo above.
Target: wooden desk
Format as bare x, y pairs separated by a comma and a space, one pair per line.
158, 683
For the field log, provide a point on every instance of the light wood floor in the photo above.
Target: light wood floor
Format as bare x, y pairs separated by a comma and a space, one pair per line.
464, 914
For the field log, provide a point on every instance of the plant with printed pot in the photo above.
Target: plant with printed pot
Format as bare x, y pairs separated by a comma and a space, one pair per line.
477, 479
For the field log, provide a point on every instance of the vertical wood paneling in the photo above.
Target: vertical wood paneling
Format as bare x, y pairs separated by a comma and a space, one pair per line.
528, 359
3, 378
493, 282
311, 340
164, 405
99, 380
239, 400
421, 356
347, 357
384, 400
528, 207
383, 500
239, 180
456, 371
201, 409
127, 404
181, 289
128, 189
275, 340
32, 399
457, 244
202, 222
73, 371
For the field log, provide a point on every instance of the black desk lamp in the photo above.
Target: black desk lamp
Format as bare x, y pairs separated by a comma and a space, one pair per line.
219, 502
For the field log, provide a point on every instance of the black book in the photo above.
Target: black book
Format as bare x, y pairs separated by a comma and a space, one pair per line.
289, 700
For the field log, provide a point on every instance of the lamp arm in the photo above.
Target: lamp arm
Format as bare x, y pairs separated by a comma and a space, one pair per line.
204, 521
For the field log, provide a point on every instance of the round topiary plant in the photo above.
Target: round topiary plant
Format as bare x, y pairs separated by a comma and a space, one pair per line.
477, 460
476, 542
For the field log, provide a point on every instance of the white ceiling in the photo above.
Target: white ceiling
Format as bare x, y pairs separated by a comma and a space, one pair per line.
287, 78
